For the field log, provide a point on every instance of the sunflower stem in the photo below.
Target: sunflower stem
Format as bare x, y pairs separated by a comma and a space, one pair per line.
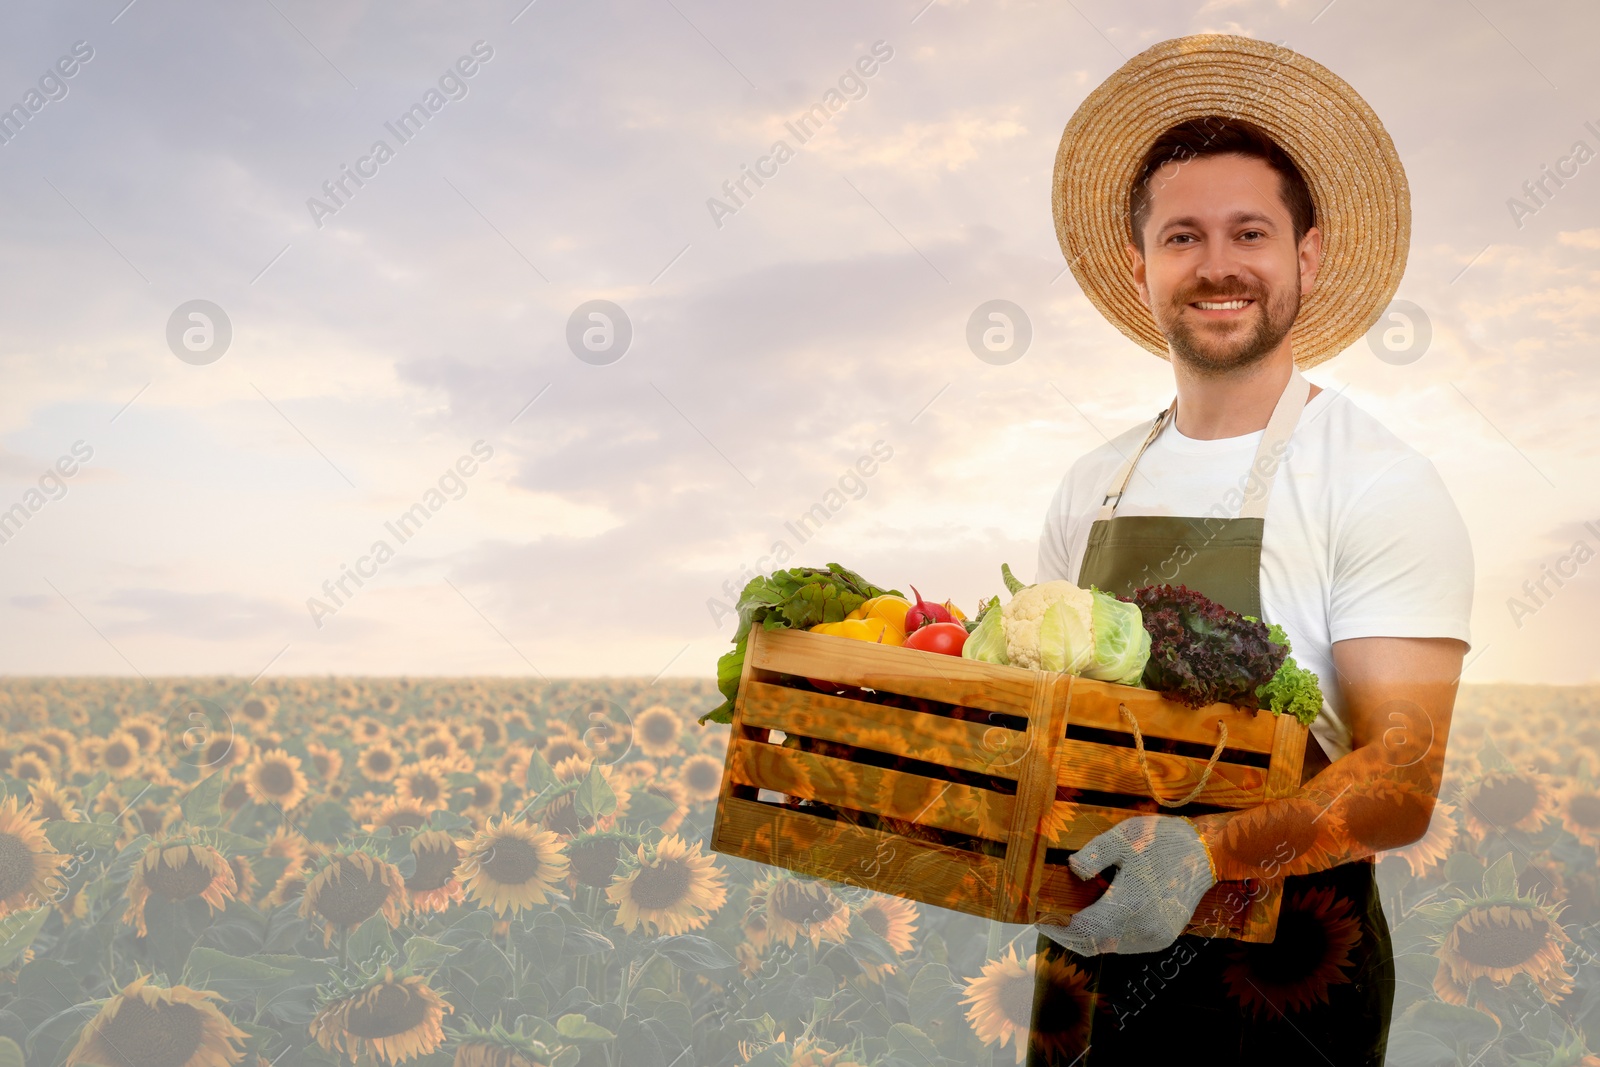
344, 948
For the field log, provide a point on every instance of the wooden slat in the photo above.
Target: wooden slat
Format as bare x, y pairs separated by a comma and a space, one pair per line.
908, 671
1093, 703
1288, 758
926, 801
1087, 765
969, 746
859, 856
1036, 791
1080, 822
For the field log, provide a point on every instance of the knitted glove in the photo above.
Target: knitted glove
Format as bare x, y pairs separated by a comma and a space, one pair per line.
1163, 869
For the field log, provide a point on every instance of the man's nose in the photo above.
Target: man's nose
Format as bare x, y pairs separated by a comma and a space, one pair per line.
1217, 262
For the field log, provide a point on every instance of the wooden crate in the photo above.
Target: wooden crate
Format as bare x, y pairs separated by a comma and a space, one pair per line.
989, 776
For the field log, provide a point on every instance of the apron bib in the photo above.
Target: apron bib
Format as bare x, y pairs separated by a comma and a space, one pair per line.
1322, 991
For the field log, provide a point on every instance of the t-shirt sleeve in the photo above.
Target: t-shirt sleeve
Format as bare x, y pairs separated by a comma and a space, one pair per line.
1053, 556
1403, 564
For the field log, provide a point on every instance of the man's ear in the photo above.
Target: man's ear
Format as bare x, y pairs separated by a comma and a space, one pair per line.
1136, 268
1310, 255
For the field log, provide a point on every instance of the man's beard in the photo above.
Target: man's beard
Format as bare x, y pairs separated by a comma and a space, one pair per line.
1215, 357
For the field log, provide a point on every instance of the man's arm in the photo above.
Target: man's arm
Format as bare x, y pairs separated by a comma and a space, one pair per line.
1398, 694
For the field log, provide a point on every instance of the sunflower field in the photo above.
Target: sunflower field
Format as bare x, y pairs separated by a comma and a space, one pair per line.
494, 873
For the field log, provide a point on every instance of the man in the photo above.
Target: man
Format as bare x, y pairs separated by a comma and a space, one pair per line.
1280, 499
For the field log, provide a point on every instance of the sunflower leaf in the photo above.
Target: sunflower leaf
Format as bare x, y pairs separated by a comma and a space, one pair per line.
69, 837
690, 952
1501, 877
10, 1054
202, 804
541, 775
17, 931
594, 797
578, 1028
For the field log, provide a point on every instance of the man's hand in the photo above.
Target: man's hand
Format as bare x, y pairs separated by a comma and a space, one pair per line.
1163, 869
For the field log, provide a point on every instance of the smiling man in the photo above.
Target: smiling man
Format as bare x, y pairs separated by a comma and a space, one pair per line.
1253, 228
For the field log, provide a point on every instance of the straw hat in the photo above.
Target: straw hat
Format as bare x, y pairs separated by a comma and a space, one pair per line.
1358, 187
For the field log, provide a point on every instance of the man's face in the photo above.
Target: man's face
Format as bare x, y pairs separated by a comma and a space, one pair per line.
1220, 270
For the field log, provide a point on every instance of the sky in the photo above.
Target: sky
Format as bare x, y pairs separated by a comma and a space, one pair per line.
253, 373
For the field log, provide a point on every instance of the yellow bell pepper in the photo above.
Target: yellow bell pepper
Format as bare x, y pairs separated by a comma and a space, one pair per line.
889, 608
873, 630
954, 611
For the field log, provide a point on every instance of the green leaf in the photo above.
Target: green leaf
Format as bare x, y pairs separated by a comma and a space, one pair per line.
1451, 1023
17, 932
1501, 877
577, 1027
207, 965
693, 953
541, 775
423, 953
594, 797
10, 1054
371, 938
1463, 869
72, 837
903, 1037
202, 804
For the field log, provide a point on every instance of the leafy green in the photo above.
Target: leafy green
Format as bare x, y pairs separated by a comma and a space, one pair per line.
1293, 689
987, 640
1121, 643
799, 597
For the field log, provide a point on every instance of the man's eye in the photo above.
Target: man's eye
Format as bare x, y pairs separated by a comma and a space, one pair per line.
1254, 233
1180, 236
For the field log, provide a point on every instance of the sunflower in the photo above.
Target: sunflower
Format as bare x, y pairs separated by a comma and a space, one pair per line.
327, 762
176, 872
1301, 823
144, 1024
1370, 809
28, 864
754, 921
1317, 931
287, 844
1500, 800
51, 801
1433, 847
1497, 942
274, 777
351, 889
378, 761
565, 746
290, 884
367, 730
672, 791
491, 730
511, 865
391, 1021
398, 815
438, 743
258, 712
1001, 1008
483, 794
119, 756
670, 886
561, 813
426, 782
244, 878
433, 886
893, 919
222, 751
656, 730
498, 1047
807, 907
1579, 807
701, 775
29, 767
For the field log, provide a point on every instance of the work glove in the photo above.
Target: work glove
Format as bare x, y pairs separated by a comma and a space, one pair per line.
1163, 869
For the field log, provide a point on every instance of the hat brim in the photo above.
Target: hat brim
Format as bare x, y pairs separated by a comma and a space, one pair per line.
1357, 183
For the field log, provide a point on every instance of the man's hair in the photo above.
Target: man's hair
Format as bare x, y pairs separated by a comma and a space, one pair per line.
1215, 135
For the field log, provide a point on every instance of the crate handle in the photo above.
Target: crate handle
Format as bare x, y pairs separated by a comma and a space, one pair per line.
1144, 764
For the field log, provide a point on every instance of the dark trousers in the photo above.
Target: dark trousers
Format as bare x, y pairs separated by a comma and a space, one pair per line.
1320, 993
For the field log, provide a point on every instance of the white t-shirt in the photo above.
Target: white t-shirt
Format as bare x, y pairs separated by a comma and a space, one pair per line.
1362, 539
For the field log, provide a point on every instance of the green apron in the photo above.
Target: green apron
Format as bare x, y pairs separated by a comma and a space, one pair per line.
1322, 991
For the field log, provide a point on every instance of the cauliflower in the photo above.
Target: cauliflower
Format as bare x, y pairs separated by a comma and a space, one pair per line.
1050, 627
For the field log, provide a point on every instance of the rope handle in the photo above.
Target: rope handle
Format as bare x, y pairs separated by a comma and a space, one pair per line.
1144, 764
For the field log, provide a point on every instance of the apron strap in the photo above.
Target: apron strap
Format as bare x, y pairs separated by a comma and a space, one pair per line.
1285, 416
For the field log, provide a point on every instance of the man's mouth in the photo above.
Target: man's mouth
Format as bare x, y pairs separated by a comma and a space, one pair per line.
1221, 309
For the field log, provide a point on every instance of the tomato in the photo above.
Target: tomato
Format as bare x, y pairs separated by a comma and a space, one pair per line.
946, 638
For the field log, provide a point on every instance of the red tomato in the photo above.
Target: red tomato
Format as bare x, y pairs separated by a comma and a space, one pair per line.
945, 638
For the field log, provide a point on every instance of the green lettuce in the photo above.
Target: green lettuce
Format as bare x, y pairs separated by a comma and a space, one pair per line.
1121, 643
1293, 690
987, 641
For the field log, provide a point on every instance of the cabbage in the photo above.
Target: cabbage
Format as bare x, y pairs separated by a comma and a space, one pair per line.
1121, 643
987, 642
1066, 638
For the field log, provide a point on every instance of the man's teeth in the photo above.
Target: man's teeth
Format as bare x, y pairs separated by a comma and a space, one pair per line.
1221, 305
